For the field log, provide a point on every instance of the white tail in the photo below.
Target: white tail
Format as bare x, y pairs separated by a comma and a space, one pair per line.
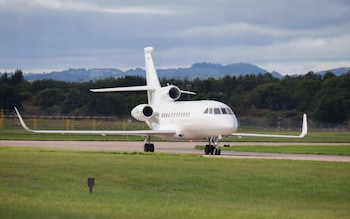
155, 93
151, 76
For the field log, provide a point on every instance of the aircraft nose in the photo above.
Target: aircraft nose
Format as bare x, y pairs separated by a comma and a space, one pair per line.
234, 123
230, 123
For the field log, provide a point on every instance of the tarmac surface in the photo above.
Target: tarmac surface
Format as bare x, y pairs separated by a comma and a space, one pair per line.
181, 148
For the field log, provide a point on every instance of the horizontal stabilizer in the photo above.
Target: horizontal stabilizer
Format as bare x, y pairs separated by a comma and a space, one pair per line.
116, 89
187, 92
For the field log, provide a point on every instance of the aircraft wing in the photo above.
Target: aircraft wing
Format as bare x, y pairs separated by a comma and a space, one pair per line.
96, 132
302, 134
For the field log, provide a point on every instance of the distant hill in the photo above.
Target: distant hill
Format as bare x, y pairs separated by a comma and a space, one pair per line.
202, 71
198, 70
205, 70
336, 71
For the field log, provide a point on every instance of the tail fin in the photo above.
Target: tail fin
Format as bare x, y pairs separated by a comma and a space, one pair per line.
151, 75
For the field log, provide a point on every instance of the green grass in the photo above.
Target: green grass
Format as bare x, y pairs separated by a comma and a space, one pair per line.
296, 149
290, 149
51, 183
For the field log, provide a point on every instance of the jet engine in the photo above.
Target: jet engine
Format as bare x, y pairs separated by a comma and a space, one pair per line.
174, 92
142, 112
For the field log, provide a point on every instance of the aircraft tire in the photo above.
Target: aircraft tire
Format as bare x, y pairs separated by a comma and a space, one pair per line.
151, 147
146, 147
217, 151
207, 149
212, 149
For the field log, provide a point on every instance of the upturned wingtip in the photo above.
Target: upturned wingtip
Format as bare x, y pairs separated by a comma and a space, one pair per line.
304, 126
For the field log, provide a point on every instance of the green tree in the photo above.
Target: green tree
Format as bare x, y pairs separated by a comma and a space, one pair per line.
17, 77
271, 96
9, 97
4, 78
333, 109
333, 100
49, 97
306, 90
108, 104
74, 100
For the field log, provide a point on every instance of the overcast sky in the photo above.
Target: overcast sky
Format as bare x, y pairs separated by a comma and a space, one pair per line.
291, 37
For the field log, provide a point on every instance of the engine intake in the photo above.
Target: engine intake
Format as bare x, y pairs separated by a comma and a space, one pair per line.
147, 111
142, 112
174, 93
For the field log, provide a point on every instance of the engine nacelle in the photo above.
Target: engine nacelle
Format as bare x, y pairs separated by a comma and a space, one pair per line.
142, 112
174, 92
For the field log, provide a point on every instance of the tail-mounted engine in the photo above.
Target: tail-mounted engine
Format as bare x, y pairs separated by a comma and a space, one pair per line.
171, 93
142, 112
174, 92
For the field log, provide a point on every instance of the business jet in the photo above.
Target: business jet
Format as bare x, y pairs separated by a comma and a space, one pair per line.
171, 119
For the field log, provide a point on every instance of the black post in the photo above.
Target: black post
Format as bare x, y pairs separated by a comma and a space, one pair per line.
91, 183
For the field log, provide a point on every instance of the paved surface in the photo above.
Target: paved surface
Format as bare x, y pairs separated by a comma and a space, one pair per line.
180, 147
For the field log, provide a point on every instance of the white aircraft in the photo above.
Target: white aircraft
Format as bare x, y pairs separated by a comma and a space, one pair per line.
171, 119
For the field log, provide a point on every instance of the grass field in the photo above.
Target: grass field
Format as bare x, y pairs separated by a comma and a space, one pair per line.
291, 149
52, 183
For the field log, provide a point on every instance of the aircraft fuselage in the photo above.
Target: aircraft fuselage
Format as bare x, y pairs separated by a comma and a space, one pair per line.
194, 119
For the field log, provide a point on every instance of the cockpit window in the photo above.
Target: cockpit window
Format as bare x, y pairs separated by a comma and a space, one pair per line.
217, 111
210, 110
206, 111
223, 110
229, 111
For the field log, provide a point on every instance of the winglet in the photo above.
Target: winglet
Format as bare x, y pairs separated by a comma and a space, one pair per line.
304, 127
302, 134
23, 124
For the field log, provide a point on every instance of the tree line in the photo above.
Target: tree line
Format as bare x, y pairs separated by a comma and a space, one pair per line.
325, 98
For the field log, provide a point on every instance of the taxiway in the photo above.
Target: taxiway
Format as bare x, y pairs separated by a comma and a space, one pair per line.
179, 147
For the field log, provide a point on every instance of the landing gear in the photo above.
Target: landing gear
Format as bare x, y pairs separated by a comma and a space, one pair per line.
213, 147
148, 146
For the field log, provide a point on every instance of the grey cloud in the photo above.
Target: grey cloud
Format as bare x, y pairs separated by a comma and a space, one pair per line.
63, 34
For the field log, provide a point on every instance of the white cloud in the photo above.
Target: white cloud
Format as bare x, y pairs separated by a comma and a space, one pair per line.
81, 6
234, 29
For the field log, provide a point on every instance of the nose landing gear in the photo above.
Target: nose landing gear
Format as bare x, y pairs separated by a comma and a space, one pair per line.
212, 148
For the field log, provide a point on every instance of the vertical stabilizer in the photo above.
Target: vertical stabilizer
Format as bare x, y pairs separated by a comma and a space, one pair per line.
151, 75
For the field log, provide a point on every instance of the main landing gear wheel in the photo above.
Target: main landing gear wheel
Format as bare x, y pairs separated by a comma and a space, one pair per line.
148, 147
